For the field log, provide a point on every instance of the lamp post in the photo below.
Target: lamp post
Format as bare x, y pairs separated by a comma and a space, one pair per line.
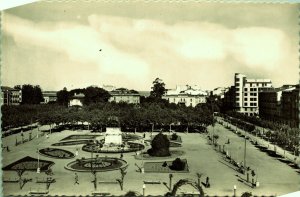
144, 189
234, 190
170, 177
38, 166
245, 151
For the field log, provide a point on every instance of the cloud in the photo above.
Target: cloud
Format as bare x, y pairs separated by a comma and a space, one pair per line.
140, 50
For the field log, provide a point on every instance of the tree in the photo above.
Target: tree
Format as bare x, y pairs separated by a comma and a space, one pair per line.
31, 94
95, 95
63, 97
160, 146
158, 89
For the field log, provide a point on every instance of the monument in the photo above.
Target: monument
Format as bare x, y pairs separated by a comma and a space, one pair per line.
113, 135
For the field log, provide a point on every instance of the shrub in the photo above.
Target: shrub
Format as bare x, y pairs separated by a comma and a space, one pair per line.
178, 165
160, 146
174, 136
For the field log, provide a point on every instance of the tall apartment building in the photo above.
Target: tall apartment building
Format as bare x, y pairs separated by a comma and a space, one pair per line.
246, 93
186, 95
11, 96
280, 105
290, 107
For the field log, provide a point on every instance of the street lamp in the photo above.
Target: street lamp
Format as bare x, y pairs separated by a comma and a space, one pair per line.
234, 190
144, 189
38, 170
245, 150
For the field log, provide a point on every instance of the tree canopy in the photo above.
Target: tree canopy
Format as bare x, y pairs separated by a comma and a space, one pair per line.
31, 94
158, 89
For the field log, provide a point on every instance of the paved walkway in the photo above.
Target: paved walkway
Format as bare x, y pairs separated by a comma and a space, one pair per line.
286, 154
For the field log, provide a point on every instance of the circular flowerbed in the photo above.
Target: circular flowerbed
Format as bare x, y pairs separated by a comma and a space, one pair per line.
70, 143
130, 147
56, 153
98, 164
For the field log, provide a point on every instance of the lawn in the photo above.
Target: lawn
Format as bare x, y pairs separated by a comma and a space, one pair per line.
158, 167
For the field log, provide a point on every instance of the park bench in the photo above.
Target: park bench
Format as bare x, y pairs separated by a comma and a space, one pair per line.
15, 180
108, 182
152, 182
38, 192
95, 193
50, 180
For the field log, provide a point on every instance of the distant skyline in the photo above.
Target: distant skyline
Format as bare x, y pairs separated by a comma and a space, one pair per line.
78, 44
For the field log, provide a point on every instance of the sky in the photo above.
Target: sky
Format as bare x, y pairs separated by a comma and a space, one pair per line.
129, 44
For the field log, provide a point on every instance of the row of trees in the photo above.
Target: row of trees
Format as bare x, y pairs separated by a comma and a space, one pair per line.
152, 111
91, 95
99, 115
285, 137
30, 94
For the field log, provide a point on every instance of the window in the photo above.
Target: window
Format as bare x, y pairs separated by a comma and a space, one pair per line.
246, 94
245, 99
246, 89
245, 104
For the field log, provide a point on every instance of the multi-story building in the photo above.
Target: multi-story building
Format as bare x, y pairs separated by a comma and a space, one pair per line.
270, 103
186, 95
228, 102
49, 96
290, 107
246, 93
11, 96
124, 95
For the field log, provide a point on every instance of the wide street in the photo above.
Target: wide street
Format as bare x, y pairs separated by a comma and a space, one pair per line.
274, 177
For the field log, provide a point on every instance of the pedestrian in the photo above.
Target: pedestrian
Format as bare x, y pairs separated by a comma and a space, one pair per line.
76, 179
253, 174
7, 148
121, 156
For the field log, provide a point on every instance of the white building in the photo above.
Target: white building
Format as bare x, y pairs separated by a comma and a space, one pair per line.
246, 93
76, 100
220, 91
124, 95
187, 95
113, 135
108, 87
49, 96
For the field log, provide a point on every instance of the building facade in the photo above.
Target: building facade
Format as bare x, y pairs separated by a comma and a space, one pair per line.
290, 107
11, 96
49, 96
228, 102
186, 95
76, 100
280, 105
124, 95
246, 93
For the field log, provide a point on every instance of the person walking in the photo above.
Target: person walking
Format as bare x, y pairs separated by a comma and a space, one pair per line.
76, 179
